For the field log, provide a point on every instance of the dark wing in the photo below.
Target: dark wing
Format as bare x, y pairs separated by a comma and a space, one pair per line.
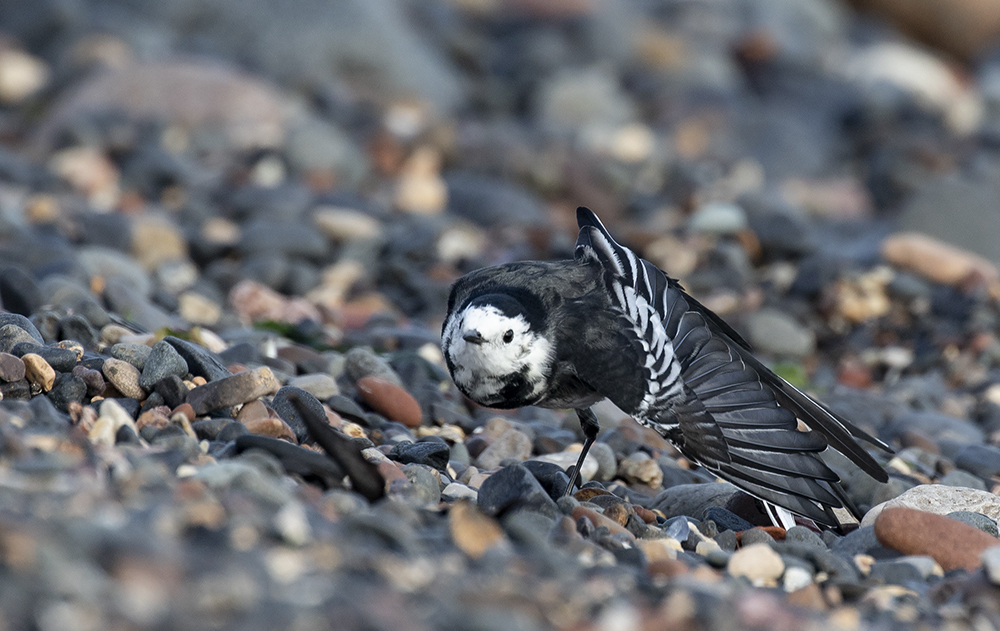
636, 289
749, 404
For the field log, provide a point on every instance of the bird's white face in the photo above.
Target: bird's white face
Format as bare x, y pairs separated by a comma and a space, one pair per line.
495, 359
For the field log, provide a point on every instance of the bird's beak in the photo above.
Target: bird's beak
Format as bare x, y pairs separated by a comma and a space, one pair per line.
473, 337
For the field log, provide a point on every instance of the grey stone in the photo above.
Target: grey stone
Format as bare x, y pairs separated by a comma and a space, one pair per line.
957, 477
201, 361
511, 444
163, 361
691, 499
978, 520
135, 354
606, 463
290, 414
979, 460
22, 322
362, 362
510, 487
11, 335
941, 500
775, 332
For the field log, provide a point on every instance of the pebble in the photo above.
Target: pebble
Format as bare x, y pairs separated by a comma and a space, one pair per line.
11, 335
233, 390
510, 487
11, 368
991, 563
67, 390
361, 362
431, 453
950, 542
61, 359
758, 562
940, 500
511, 444
390, 400
290, 414
980, 460
604, 456
270, 426
123, 376
473, 532
691, 499
938, 261
201, 361
639, 467
163, 361
773, 331
135, 354
38, 371
978, 520
320, 386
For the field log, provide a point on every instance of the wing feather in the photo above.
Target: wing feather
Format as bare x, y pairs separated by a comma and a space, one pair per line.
707, 393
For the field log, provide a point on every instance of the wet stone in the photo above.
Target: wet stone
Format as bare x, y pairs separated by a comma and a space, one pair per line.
233, 390
163, 361
11, 368
432, 454
135, 354
61, 359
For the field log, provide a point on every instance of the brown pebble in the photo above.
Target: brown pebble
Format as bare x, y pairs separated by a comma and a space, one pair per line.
600, 520
644, 514
390, 472
584, 495
390, 400
667, 568
939, 261
38, 371
157, 418
271, 426
808, 597
618, 513
186, 410
474, 532
953, 544
254, 410
233, 390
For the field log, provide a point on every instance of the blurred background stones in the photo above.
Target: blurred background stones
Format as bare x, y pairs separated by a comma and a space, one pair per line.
208, 206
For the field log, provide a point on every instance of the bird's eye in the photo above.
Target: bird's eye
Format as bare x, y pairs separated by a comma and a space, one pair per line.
508, 337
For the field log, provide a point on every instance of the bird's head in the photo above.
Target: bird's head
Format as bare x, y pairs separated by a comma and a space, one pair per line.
496, 350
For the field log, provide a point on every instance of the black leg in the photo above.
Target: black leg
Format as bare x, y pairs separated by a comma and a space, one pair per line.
588, 421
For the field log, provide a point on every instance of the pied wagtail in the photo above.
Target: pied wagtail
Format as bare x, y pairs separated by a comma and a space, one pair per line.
608, 324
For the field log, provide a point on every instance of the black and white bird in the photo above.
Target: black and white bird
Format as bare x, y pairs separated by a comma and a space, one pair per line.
608, 324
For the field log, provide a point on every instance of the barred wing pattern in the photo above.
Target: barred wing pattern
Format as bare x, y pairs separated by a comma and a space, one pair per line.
710, 397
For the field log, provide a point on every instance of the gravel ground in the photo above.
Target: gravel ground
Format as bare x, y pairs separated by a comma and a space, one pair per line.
221, 225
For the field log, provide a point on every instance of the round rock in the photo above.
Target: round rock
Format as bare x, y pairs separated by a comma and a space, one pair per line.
163, 361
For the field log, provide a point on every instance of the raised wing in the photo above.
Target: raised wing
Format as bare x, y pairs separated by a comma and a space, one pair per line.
707, 376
